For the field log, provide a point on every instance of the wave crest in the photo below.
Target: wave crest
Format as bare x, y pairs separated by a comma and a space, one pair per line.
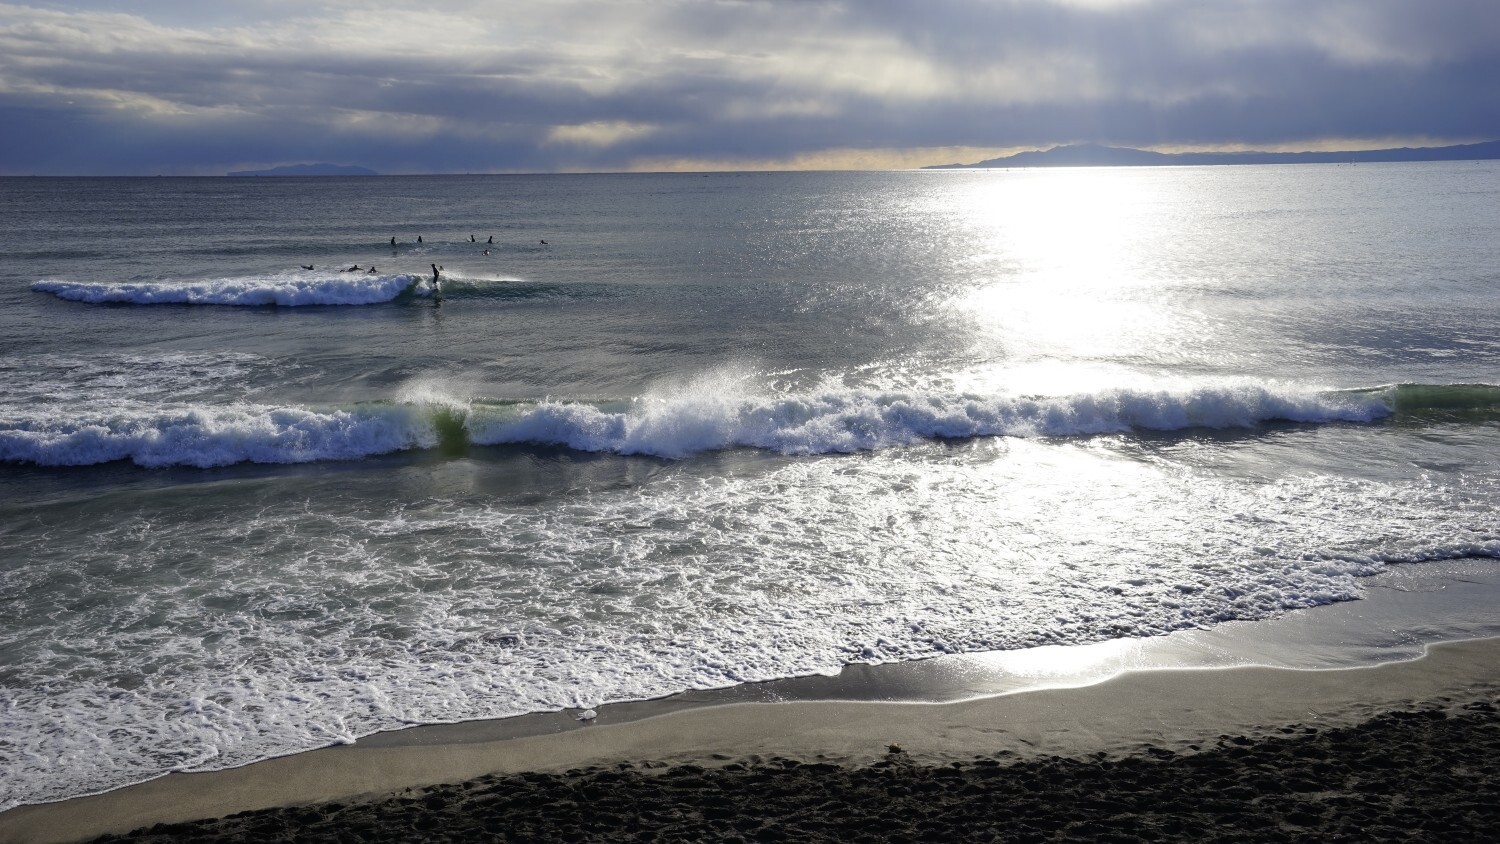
671, 427
286, 289
214, 436
849, 421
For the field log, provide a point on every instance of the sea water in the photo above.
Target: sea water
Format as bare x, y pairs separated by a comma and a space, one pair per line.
672, 432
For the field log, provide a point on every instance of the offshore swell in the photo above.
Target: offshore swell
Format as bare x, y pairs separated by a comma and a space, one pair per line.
697, 420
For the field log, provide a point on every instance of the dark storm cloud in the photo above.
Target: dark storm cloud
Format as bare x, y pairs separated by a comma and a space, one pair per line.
576, 84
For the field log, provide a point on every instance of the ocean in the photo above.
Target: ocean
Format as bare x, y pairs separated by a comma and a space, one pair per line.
687, 431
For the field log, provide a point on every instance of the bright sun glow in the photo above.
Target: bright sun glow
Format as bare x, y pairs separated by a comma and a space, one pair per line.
1075, 256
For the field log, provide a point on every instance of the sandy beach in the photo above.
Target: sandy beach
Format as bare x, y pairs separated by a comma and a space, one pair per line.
1250, 753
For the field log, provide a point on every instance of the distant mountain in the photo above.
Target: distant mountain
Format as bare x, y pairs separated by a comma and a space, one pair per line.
1093, 155
309, 170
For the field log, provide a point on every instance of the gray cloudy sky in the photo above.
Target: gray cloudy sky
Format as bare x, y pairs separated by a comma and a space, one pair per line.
169, 86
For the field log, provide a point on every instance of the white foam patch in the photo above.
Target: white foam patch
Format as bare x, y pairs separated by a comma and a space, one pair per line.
256, 631
206, 436
287, 289
706, 418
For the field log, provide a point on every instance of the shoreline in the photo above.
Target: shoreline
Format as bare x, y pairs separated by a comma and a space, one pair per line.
1331, 665
1169, 710
1423, 774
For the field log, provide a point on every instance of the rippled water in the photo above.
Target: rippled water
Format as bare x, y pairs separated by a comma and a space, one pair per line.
715, 429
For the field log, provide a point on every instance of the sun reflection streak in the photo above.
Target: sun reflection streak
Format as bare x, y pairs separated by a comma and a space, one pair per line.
1078, 285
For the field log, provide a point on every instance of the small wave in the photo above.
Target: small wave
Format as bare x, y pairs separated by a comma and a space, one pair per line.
215, 436
671, 427
286, 289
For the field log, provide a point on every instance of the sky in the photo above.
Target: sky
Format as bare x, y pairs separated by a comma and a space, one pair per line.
194, 87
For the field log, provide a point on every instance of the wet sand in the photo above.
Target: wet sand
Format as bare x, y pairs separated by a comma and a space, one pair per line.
1254, 753
1410, 776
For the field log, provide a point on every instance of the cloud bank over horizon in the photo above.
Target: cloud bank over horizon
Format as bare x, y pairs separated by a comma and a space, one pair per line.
470, 86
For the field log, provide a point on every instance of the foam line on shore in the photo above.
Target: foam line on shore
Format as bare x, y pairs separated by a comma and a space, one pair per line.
1159, 708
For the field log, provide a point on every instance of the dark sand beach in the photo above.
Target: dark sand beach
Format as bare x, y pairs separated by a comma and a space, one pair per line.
1412, 775
1399, 751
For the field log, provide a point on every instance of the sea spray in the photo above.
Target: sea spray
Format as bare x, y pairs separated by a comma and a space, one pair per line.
448, 415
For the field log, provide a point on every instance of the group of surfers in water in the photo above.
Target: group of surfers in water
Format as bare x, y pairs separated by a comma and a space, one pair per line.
437, 271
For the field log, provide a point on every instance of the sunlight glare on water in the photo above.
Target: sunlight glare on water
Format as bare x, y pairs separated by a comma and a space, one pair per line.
1075, 285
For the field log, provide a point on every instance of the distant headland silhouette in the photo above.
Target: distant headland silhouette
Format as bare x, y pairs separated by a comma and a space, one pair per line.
1095, 155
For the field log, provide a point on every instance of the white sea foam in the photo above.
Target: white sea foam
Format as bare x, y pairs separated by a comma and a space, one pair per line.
287, 289
687, 422
255, 631
212, 436
845, 421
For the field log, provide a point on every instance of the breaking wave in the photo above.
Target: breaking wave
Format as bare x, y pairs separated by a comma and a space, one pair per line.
285, 289
693, 421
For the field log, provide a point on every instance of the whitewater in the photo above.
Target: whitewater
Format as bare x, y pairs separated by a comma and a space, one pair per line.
685, 432
288, 289
670, 426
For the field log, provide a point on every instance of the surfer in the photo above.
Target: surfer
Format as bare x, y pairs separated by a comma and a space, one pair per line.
491, 240
419, 238
305, 266
471, 238
486, 251
435, 274
393, 242
544, 243
354, 269
371, 270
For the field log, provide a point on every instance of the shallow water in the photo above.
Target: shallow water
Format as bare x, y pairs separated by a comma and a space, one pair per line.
717, 429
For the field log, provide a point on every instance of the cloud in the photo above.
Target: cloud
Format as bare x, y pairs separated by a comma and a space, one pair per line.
586, 84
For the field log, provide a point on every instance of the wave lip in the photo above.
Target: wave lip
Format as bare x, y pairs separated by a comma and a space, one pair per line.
285, 289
